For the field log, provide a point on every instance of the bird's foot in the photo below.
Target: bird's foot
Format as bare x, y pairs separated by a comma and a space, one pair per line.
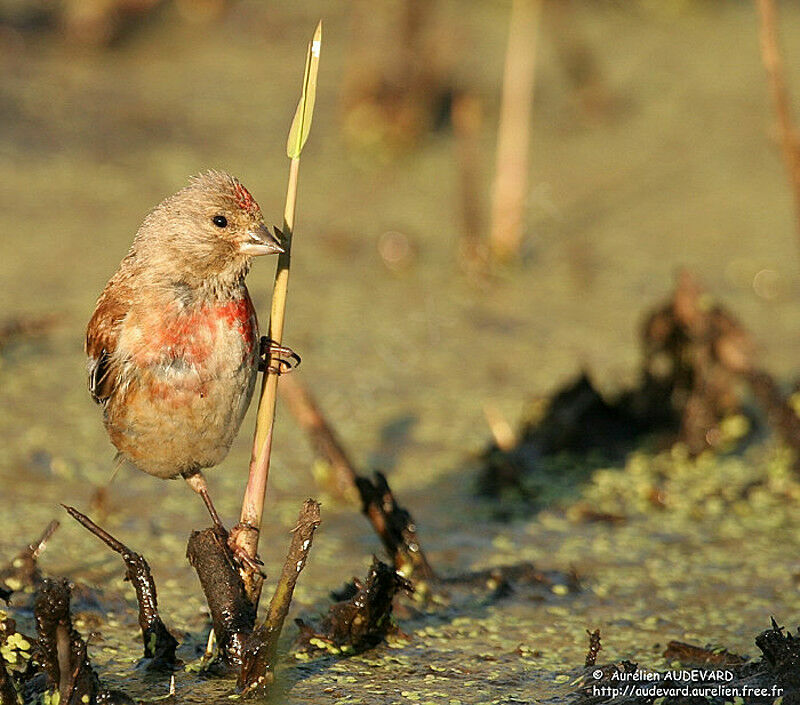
240, 554
276, 359
197, 482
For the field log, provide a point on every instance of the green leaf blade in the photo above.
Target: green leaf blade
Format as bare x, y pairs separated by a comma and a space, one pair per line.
301, 124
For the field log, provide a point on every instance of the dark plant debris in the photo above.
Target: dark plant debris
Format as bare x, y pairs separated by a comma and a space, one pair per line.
159, 644
60, 662
249, 650
691, 655
710, 676
594, 648
781, 653
695, 351
394, 524
359, 622
8, 694
697, 360
63, 652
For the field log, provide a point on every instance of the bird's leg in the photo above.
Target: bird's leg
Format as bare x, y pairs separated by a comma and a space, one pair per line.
197, 481
287, 359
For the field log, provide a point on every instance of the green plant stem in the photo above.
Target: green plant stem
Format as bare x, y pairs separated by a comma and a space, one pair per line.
253, 503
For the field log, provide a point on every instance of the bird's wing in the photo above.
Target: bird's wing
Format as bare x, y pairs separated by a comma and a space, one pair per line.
102, 335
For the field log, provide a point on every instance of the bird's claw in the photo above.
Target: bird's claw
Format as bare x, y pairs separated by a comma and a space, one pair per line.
241, 556
286, 359
253, 565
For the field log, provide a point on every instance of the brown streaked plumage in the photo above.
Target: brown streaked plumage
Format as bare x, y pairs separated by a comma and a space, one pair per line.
173, 343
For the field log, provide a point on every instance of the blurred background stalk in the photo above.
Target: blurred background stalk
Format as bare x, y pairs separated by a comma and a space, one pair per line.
513, 134
776, 76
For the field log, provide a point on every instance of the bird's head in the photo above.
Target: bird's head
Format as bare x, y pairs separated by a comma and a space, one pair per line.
207, 231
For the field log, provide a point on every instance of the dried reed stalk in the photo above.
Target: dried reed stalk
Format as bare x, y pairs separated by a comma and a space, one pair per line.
513, 134
776, 76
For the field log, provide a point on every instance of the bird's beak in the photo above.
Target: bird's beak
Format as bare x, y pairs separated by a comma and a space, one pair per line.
260, 241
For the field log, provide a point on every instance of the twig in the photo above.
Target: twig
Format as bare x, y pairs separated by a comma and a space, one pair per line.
247, 533
513, 133
159, 644
258, 661
773, 63
37, 547
394, 525
305, 410
391, 522
23, 570
302, 535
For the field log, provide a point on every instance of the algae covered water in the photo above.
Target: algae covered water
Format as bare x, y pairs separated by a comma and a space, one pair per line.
677, 169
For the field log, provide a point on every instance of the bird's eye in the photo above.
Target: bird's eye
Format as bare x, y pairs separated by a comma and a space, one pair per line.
220, 221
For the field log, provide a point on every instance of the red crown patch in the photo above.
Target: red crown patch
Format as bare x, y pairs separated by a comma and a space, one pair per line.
243, 198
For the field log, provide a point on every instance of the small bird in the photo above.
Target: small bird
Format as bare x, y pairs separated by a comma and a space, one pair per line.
173, 343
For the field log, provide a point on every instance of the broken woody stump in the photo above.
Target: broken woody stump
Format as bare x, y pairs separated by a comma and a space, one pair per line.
232, 614
247, 650
63, 652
